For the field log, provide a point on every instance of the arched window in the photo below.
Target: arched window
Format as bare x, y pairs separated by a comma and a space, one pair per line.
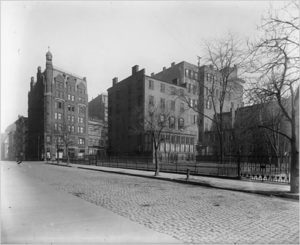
180, 123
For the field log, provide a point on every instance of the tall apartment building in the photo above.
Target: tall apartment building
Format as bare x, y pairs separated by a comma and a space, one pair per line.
57, 113
199, 80
140, 93
98, 107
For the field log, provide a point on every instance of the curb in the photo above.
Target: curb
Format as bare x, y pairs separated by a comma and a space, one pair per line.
263, 193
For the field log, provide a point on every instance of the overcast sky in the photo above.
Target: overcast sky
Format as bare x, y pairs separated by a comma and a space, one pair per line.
101, 40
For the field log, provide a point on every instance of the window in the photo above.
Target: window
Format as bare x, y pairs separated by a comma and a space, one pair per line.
72, 128
151, 84
172, 105
186, 72
59, 116
194, 89
162, 88
72, 119
208, 104
207, 76
194, 119
162, 119
69, 97
55, 126
181, 107
59, 127
55, 115
189, 87
196, 75
190, 102
151, 100
69, 128
81, 141
162, 103
80, 119
72, 98
81, 130
69, 118
206, 91
172, 122
195, 103
180, 123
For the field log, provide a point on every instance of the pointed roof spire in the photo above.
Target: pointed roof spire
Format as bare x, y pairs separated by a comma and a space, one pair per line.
48, 55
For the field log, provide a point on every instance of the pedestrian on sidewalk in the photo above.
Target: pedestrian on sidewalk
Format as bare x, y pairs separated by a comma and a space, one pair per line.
20, 158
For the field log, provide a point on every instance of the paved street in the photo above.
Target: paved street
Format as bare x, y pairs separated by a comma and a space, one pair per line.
189, 213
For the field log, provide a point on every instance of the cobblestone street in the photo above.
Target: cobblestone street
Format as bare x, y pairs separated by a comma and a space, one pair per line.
192, 214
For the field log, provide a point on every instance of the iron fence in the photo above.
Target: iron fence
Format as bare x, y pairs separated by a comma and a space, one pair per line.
254, 168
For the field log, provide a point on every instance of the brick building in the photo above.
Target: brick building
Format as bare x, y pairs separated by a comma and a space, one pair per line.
57, 114
7, 143
21, 137
97, 131
140, 92
98, 107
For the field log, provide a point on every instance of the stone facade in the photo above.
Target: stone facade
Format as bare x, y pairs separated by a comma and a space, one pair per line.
57, 114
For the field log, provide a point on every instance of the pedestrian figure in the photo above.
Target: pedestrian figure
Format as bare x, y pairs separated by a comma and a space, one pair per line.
20, 158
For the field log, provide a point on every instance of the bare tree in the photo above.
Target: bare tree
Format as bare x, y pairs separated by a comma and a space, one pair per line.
223, 56
63, 138
153, 122
156, 121
275, 58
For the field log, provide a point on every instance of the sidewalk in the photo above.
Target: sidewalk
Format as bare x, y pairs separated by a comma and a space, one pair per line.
33, 212
269, 189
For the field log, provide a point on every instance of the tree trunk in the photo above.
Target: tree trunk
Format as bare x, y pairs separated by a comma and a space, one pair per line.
294, 165
294, 154
68, 157
156, 162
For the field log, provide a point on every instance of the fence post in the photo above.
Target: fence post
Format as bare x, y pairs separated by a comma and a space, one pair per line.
239, 166
187, 174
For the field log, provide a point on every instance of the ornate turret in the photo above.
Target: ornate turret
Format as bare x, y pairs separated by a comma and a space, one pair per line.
49, 71
49, 58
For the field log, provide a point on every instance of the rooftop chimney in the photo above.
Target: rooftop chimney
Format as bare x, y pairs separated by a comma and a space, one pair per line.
164, 68
211, 66
152, 74
31, 82
172, 64
135, 69
115, 80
